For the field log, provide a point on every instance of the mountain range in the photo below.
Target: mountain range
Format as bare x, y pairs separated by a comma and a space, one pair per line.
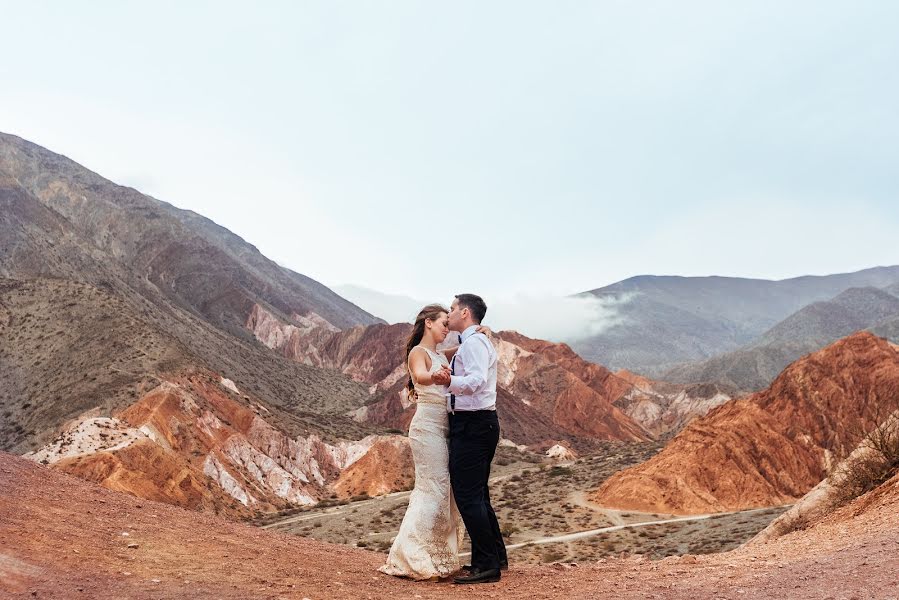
666, 321
696, 330
146, 348
812, 327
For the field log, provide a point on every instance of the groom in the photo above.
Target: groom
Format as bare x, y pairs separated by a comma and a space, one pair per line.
473, 437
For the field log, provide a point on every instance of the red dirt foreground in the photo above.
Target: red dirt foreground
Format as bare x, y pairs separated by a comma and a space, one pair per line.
61, 537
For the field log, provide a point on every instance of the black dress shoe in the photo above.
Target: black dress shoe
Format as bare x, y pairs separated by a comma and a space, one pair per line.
503, 566
479, 576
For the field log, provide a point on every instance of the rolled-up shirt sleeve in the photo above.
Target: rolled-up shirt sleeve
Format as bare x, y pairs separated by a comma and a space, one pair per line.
476, 358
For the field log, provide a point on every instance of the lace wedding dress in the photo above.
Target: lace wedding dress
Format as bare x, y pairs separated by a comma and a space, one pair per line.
430, 536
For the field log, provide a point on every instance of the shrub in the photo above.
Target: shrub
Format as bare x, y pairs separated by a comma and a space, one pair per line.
552, 556
508, 530
874, 462
559, 471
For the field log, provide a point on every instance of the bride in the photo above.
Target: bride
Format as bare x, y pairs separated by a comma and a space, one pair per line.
427, 545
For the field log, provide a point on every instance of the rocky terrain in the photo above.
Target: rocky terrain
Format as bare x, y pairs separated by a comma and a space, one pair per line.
664, 408
664, 321
538, 504
199, 442
124, 356
547, 393
755, 365
181, 376
54, 204
773, 446
137, 352
104, 289
61, 537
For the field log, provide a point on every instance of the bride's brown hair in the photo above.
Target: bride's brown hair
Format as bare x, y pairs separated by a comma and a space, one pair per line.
429, 312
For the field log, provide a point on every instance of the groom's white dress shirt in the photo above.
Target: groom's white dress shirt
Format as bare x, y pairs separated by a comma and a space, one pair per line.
474, 365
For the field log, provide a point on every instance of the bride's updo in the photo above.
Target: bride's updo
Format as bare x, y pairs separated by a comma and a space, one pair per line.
432, 312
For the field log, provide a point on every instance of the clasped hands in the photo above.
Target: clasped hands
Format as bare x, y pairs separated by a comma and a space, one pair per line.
441, 377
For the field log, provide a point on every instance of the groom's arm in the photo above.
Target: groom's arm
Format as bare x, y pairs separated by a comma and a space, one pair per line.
450, 352
476, 358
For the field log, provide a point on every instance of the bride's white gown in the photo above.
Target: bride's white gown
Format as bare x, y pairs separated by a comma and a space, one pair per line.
429, 539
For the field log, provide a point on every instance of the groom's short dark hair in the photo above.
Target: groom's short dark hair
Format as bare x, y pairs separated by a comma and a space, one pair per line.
475, 304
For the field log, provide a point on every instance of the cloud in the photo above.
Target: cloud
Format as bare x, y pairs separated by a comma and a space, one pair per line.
542, 316
553, 318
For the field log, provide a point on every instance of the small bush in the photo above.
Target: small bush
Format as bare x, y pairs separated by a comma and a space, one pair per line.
508, 530
552, 556
875, 462
559, 471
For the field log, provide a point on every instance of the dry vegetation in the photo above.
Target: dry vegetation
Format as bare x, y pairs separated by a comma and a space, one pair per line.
874, 462
716, 534
534, 501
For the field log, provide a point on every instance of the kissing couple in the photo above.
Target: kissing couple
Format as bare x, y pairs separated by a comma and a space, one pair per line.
453, 436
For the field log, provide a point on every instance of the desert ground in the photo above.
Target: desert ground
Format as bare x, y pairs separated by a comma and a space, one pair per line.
537, 503
61, 537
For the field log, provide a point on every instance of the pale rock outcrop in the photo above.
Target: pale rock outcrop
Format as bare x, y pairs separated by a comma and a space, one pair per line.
88, 436
561, 453
216, 471
229, 385
510, 444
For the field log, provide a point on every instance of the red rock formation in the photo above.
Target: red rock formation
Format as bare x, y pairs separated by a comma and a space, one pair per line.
597, 377
384, 468
196, 442
551, 393
658, 407
771, 447
540, 401
662, 408
372, 354
572, 394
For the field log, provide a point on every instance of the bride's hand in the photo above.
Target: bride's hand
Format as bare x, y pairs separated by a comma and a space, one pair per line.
441, 377
485, 330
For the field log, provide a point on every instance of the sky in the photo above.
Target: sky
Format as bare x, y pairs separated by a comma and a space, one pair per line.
513, 149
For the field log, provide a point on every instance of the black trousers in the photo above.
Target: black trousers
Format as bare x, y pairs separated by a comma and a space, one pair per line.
473, 437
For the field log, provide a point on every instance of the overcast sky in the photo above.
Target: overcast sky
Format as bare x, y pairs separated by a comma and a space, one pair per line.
506, 148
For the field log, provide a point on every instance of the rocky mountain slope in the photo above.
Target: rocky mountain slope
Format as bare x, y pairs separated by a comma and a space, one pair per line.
755, 365
199, 442
528, 404
547, 393
664, 408
137, 353
773, 446
666, 321
142, 288
186, 257
123, 346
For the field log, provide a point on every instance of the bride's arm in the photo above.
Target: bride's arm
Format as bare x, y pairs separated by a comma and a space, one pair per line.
421, 370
